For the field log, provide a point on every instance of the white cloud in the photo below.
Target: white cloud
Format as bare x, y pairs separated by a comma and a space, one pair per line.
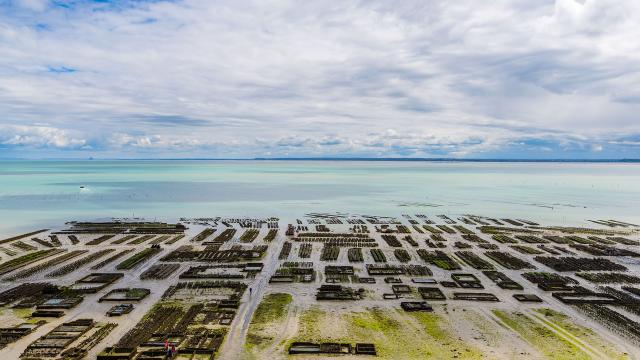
35, 5
39, 136
122, 140
460, 78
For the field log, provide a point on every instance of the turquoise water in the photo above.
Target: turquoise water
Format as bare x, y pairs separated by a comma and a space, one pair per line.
45, 193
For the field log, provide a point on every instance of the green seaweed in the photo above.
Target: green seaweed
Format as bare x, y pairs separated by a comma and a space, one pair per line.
547, 342
272, 309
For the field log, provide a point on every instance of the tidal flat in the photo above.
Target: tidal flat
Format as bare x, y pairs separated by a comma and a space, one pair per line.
322, 285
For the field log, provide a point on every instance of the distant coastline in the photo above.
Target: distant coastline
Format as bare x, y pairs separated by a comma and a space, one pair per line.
458, 160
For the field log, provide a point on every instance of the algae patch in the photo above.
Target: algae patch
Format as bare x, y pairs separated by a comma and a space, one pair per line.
581, 333
396, 335
270, 312
547, 342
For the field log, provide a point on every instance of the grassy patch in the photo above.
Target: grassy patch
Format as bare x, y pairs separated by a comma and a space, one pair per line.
581, 333
308, 325
15, 316
272, 309
432, 325
548, 343
397, 335
24, 314
375, 320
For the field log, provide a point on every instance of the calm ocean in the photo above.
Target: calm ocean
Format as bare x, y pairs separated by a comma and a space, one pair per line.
44, 193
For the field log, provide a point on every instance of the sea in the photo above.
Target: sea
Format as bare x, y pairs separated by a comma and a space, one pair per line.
38, 194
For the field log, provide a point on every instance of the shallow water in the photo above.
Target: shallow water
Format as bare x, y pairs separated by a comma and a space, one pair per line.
44, 193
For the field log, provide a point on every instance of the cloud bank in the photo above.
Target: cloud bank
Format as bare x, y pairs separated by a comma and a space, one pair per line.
197, 78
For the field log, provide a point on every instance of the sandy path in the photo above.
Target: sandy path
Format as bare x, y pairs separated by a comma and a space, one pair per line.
233, 345
288, 329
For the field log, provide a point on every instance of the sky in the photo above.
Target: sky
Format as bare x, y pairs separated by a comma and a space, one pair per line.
526, 79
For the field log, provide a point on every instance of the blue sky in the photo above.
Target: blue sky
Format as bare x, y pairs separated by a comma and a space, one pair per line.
466, 78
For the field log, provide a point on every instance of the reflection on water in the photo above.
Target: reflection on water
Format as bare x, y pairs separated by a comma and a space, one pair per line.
48, 192
114, 194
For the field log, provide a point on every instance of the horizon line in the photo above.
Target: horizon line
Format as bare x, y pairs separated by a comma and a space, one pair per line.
443, 159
